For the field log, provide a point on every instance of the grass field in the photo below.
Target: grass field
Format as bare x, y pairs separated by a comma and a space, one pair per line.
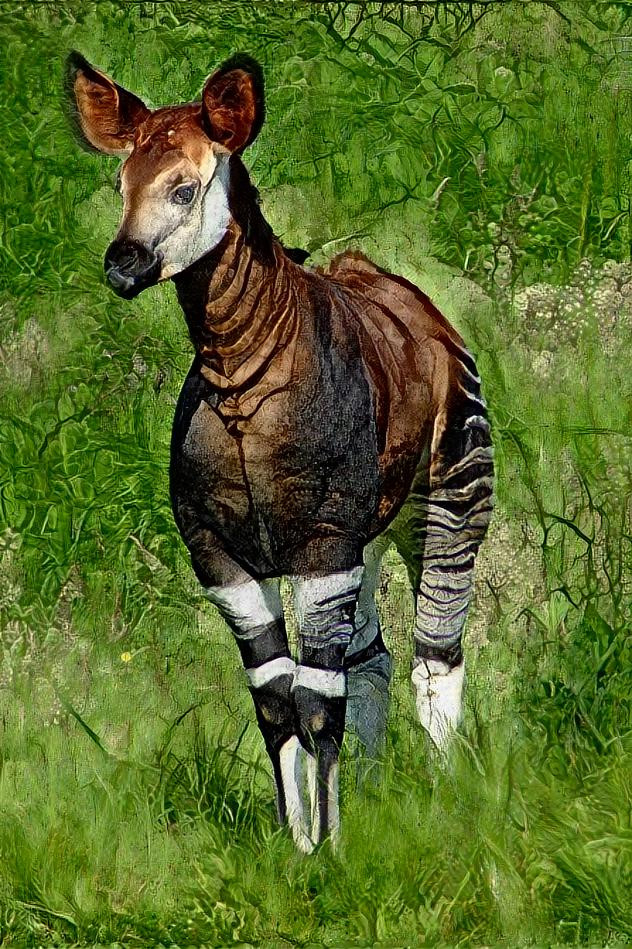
483, 151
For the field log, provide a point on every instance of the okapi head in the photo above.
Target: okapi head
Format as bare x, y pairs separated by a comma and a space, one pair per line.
181, 179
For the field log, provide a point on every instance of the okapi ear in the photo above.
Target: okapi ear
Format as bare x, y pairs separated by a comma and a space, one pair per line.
106, 115
232, 103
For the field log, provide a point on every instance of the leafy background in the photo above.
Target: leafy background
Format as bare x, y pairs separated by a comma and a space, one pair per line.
483, 151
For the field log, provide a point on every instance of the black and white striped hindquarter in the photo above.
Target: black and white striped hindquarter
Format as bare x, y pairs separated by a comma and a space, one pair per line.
455, 511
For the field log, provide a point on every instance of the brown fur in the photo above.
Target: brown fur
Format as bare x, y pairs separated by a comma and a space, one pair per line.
257, 339
258, 320
406, 344
108, 115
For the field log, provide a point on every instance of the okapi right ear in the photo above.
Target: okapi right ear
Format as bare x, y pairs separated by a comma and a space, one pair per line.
232, 103
106, 115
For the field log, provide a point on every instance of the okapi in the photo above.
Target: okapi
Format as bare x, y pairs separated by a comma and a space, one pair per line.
326, 413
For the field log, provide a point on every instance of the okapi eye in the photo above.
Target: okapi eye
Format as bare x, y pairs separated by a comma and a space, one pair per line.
183, 195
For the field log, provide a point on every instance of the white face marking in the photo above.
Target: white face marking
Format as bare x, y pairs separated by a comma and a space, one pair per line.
203, 226
180, 231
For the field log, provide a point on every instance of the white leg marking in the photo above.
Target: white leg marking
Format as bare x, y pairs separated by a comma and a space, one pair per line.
439, 692
324, 607
312, 780
333, 808
324, 681
292, 760
249, 605
261, 675
333, 812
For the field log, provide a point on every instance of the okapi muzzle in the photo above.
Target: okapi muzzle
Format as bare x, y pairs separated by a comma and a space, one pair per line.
130, 267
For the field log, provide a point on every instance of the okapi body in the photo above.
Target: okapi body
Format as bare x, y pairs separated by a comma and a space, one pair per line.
326, 413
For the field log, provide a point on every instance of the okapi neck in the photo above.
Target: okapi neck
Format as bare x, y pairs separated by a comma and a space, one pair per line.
237, 309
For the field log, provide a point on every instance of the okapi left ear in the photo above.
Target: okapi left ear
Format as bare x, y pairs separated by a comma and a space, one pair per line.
106, 115
232, 103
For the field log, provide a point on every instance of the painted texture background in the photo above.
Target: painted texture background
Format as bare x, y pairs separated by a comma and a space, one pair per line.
484, 151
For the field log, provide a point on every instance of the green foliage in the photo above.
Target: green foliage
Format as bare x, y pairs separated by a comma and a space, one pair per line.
482, 150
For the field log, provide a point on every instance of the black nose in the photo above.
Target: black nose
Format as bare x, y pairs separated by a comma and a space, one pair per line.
131, 267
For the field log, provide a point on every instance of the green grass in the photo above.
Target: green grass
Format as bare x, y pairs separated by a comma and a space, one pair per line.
487, 159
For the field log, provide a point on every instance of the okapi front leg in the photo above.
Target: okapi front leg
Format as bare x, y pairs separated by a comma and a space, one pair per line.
254, 612
325, 607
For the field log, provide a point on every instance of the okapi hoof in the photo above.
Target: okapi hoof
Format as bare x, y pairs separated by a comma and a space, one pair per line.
439, 691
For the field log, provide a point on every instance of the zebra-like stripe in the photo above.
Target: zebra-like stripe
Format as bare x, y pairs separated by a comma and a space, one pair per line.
265, 673
442, 606
455, 512
269, 642
478, 458
471, 370
247, 607
464, 494
324, 603
472, 397
443, 519
327, 682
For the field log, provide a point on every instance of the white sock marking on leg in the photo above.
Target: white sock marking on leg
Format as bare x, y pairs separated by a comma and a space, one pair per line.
333, 812
333, 807
292, 760
312, 782
439, 692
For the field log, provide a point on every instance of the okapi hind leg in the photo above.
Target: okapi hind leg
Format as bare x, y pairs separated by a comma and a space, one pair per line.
254, 612
368, 662
456, 512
